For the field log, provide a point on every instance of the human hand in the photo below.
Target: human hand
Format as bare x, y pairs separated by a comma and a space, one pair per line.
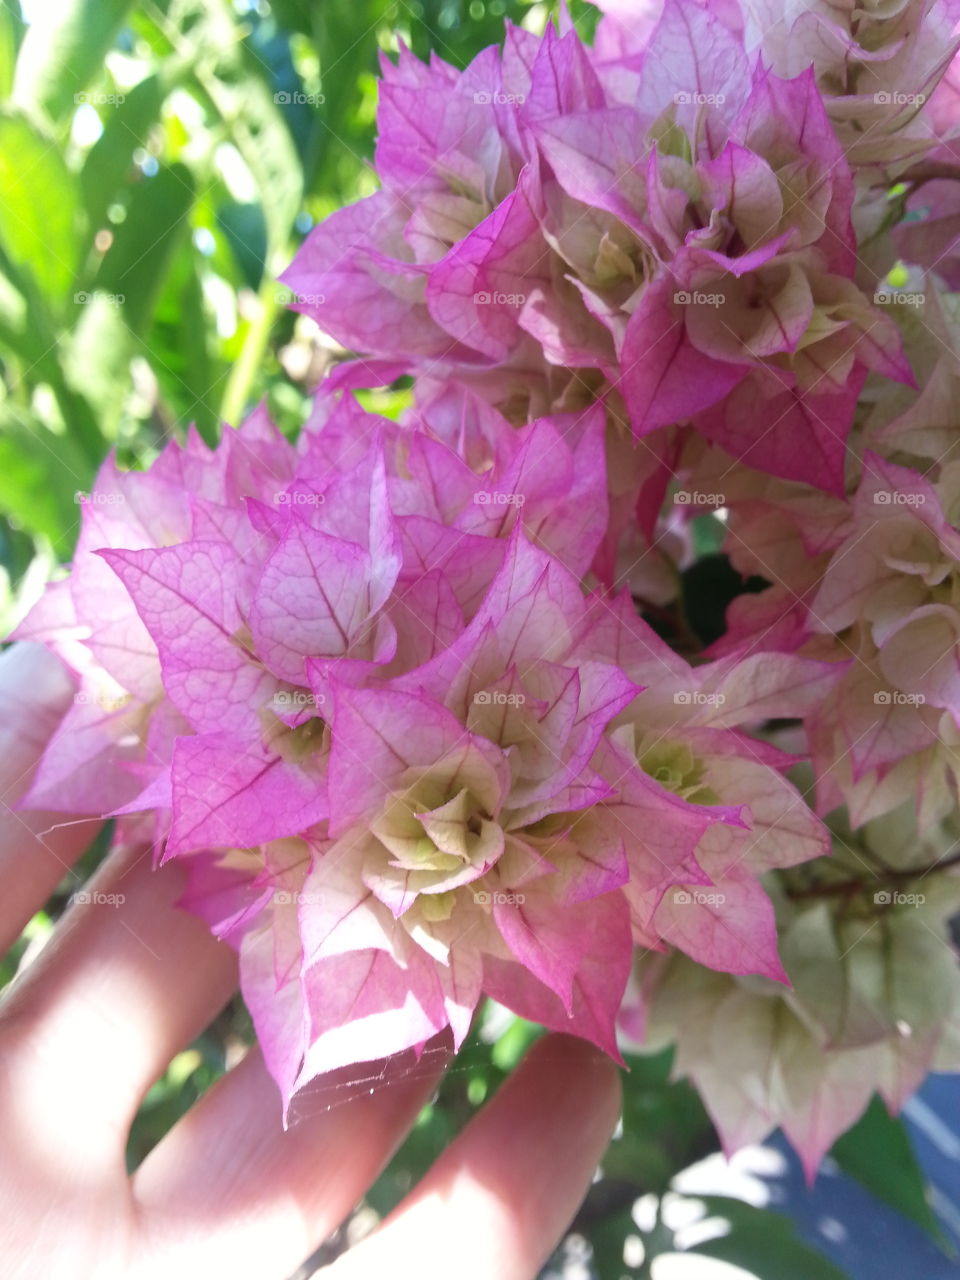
126, 982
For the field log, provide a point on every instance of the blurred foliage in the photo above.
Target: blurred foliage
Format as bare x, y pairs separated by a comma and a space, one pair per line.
160, 161
159, 164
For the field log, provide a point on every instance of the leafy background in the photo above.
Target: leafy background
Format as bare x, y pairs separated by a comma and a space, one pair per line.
159, 164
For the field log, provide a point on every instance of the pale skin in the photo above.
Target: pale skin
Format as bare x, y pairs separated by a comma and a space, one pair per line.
119, 991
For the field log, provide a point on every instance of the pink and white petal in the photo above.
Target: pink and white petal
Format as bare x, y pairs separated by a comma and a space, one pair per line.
363, 1006
235, 793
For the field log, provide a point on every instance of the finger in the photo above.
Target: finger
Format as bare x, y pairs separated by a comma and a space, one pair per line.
238, 1194
499, 1199
127, 980
36, 849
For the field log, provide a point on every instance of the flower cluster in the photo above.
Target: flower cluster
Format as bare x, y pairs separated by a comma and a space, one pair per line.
423, 706
873, 1001
681, 236
405, 756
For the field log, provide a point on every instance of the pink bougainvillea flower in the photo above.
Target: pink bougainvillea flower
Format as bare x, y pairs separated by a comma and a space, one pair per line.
113, 738
877, 65
687, 731
385, 692
865, 585
448, 153
484, 835
689, 243
362, 694
873, 1006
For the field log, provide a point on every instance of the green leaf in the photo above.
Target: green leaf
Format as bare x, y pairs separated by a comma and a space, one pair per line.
144, 244
96, 358
764, 1243
253, 120
108, 165
709, 534
665, 1127
514, 1043
245, 230
199, 373
63, 51
16, 330
296, 14
877, 1152
230, 77
39, 475
9, 34
179, 346
39, 208
607, 1241
585, 18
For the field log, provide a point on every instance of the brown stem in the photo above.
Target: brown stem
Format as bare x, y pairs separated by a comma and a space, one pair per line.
931, 171
853, 885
